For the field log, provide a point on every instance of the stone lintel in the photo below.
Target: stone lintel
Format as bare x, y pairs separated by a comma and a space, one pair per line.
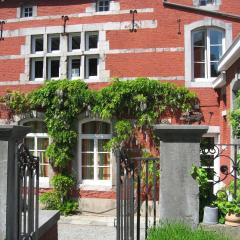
10, 132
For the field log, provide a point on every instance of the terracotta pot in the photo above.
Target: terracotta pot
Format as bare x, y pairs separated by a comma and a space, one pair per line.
232, 220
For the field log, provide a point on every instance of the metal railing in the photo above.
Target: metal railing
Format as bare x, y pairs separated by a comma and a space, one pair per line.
137, 182
28, 186
228, 163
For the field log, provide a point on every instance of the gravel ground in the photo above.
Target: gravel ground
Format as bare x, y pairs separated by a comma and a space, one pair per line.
85, 232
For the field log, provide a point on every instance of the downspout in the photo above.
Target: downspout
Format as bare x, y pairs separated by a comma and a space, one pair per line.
186, 8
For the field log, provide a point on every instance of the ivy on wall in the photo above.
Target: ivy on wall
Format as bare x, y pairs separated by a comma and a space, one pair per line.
131, 104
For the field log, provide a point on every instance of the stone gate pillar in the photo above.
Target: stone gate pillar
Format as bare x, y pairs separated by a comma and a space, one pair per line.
179, 192
9, 136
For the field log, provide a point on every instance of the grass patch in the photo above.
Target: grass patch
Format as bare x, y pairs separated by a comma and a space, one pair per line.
180, 231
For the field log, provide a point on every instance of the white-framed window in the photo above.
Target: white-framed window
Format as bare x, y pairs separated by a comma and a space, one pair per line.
91, 67
36, 69
37, 142
37, 44
53, 43
206, 2
74, 67
103, 5
74, 42
91, 41
26, 11
95, 160
53, 68
207, 49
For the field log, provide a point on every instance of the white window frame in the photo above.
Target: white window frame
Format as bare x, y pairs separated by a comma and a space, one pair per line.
71, 35
50, 37
95, 137
70, 67
207, 53
33, 61
49, 60
207, 4
22, 11
33, 44
88, 34
98, 7
87, 67
43, 181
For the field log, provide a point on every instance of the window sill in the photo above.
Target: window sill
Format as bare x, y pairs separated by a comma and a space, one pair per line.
199, 84
44, 182
209, 7
99, 188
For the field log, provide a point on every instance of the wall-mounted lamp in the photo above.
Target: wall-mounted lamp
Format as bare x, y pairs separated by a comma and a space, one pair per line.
134, 25
65, 19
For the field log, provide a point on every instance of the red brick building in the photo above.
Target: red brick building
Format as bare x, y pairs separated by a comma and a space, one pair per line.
180, 41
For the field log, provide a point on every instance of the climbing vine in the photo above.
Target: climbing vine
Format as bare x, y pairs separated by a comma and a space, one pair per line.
131, 104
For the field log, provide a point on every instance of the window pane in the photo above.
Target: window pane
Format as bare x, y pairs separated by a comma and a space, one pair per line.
96, 127
216, 37
87, 173
103, 159
54, 68
87, 159
38, 69
93, 41
199, 38
38, 44
104, 173
42, 143
87, 145
44, 164
76, 67
216, 53
76, 41
199, 70
199, 54
55, 42
214, 69
29, 143
101, 145
92, 66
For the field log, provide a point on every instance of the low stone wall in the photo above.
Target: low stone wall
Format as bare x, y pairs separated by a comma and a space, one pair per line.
48, 228
232, 232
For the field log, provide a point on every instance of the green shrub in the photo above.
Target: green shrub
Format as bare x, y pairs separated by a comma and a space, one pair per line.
53, 201
180, 231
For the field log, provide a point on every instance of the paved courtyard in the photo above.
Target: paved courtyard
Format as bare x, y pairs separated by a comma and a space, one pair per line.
90, 227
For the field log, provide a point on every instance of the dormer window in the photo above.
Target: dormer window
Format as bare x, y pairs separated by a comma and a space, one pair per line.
103, 5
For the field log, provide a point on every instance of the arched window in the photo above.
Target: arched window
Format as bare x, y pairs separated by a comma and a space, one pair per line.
207, 47
95, 158
37, 142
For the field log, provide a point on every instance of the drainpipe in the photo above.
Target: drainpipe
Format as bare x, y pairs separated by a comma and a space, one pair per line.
192, 9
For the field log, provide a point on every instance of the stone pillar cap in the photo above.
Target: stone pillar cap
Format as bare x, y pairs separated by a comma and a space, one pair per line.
167, 131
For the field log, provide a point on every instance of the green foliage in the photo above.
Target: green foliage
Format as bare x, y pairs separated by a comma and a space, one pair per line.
62, 184
141, 102
52, 201
206, 196
200, 175
142, 99
225, 204
180, 231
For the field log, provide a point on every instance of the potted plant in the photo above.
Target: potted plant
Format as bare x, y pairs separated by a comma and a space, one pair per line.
229, 209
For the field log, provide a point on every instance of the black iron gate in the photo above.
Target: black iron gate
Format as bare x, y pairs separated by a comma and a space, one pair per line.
28, 186
137, 183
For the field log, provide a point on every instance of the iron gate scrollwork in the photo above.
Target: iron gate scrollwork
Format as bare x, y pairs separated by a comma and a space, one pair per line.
28, 187
132, 174
231, 167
